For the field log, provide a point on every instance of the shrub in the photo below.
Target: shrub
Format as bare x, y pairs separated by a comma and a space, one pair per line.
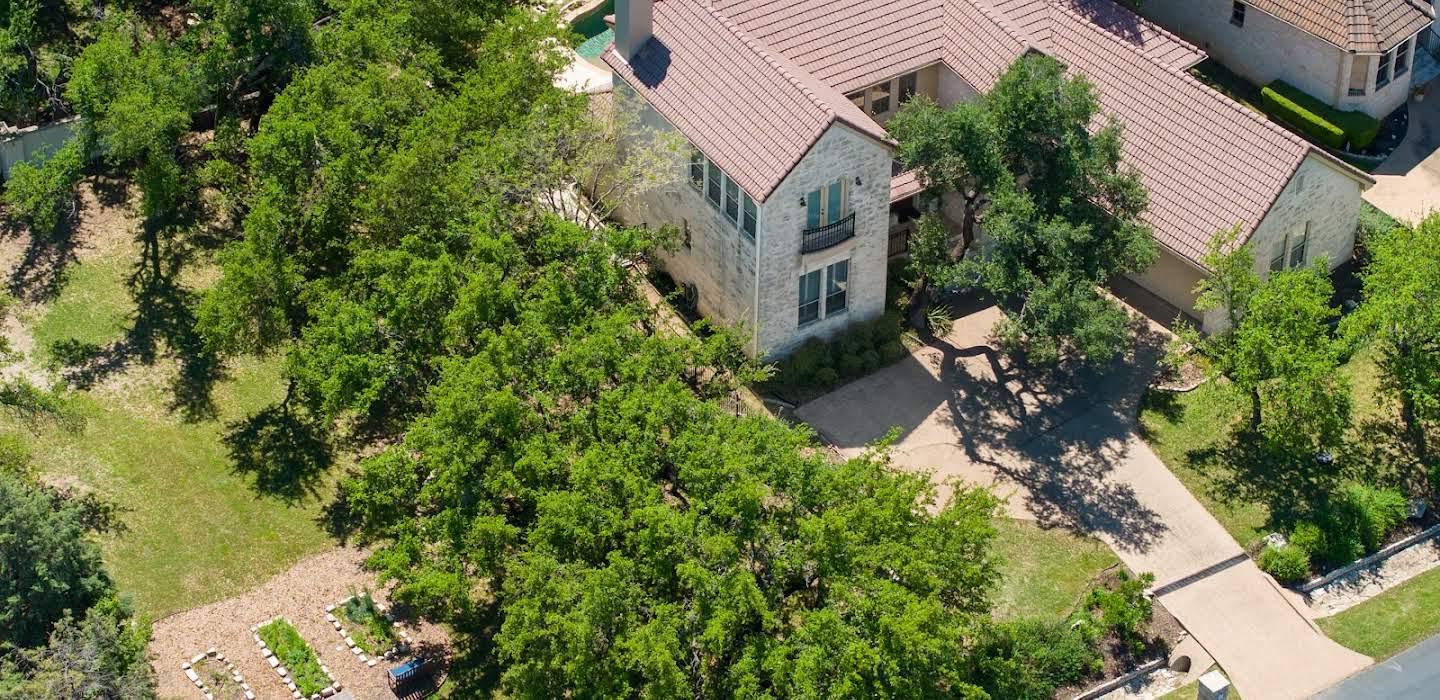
826, 377
1308, 537
296, 655
1029, 659
1371, 513
41, 191
1322, 122
1124, 609
1288, 564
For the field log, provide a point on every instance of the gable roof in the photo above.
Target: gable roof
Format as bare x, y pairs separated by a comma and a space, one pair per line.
1365, 26
1207, 162
748, 108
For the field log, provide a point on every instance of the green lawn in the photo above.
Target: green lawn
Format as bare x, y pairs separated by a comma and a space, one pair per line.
1181, 428
196, 531
1392, 621
1045, 572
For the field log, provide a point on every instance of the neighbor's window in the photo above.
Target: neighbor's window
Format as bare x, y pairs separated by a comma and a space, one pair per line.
751, 223
809, 297
697, 170
908, 85
1402, 58
732, 200
880, 98
1382, 74
1297, 247
858, 98
837, 281
712, 191
1237, 14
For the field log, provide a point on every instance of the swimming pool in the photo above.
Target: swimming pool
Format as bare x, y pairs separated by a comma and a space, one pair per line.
591, 25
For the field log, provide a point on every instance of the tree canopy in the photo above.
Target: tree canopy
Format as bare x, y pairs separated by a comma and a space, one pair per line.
1059, 209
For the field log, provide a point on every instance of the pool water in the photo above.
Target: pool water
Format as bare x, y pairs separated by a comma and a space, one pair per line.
591, 25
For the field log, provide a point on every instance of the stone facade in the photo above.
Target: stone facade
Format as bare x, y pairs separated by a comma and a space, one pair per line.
734, 275
1321, 198
1266, 49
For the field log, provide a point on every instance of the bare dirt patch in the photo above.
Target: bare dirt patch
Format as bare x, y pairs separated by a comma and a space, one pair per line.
299, 595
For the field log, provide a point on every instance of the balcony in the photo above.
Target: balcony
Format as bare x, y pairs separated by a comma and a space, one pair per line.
829, 235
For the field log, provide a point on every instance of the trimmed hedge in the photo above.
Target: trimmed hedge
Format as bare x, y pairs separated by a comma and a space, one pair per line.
1330, 126
818, 365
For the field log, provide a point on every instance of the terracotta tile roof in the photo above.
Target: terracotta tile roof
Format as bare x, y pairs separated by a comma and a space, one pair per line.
1366, 26
750, 109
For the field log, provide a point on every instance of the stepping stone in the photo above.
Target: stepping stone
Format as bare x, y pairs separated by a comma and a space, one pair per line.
290, 685
350, 642
249, 694
329, 608
327, 692
211, 651
370, 663
329, 617
297, 695
273, 661
209, 696
337, 626
197, 659
200, 684
355, 649
219, 657
361, 657
184, 665
192, 675
282, 671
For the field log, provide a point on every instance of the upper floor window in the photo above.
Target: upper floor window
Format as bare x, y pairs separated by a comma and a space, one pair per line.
909, 83
880, 98
712, 191
750, 224
1382, 73
883, 98
697, 170
732, 200
725, 194
858, 98
1237, 14
826, 205
1402, 58
1290, 252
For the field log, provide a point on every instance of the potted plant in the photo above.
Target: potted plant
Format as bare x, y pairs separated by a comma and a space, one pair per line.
1419, 93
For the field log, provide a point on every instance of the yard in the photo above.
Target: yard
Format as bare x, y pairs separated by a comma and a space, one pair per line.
141, 435
1192, 432
1045, 571
1392, 621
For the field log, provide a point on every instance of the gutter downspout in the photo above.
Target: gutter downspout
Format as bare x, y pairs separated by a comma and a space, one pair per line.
755, 305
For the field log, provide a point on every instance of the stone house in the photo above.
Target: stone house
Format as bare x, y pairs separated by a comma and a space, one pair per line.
1352, 54
791, 203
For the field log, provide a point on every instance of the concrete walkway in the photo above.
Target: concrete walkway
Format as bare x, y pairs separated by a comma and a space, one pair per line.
1407, 185
1063, 446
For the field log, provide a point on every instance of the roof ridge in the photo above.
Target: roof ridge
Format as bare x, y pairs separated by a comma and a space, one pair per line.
1003, 22
763, 52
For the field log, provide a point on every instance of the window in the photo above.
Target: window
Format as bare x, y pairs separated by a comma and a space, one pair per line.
858, 98
1357, 92
880, 99
1237, 14
697, 170
751, 223
909, 83
809, 297
837, 278
1277, 263
1382, 74
1297, 247
685, 229
1402, 58
732, 200
826, 205
712, 192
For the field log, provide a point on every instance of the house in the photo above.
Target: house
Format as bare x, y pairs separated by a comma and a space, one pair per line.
791, 204
1352, 54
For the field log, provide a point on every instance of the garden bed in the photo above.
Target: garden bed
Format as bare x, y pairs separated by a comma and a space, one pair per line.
367, 628
1161, 632
293, 660
216, 677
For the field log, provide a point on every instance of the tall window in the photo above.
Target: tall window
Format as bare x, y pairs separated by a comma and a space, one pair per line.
697, 170
1297, 247
880, 99
826, 205
809, 297
712, 191
837, 280
909, 83
1291, 250
1382, 74
732, 200
1402, 58
1237, 14
751, 223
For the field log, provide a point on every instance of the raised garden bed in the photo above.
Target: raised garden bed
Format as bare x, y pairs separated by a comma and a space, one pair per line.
367, 628
293, 660
216, 677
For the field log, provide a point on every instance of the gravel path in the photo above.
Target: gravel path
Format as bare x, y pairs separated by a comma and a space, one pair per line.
300, 595
1367, 582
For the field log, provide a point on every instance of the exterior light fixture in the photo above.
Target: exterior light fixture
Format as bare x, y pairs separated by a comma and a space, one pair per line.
857, 181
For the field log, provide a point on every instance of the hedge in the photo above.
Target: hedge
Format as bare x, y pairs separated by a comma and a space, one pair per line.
1330, 126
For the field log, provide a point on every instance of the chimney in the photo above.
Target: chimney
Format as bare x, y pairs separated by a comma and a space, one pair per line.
633, 22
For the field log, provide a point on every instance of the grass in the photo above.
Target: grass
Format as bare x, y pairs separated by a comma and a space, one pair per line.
1045, 572
1392, 621
1191, 691
197, 530
1228, 83
295, 655
1181, 427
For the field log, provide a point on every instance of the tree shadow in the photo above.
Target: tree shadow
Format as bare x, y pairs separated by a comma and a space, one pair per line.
43, 269
1248, 467
285, 454
1059, 432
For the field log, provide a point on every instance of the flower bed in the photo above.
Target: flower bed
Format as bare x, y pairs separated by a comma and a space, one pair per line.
293, 659
367, 629
216, 677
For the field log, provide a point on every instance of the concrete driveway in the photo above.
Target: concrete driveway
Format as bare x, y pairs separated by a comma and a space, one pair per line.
1407, 185
1062, 445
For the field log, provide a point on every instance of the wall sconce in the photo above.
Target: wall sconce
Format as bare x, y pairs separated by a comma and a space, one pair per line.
802, 200
857, 181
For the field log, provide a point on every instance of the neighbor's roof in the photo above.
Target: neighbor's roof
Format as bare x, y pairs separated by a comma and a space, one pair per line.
747, 107
1366, 26
1033, 18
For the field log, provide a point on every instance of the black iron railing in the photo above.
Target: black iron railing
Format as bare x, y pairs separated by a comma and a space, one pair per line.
828, 235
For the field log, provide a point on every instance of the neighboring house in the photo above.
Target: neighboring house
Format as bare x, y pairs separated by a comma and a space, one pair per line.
792, 205
1352, 54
